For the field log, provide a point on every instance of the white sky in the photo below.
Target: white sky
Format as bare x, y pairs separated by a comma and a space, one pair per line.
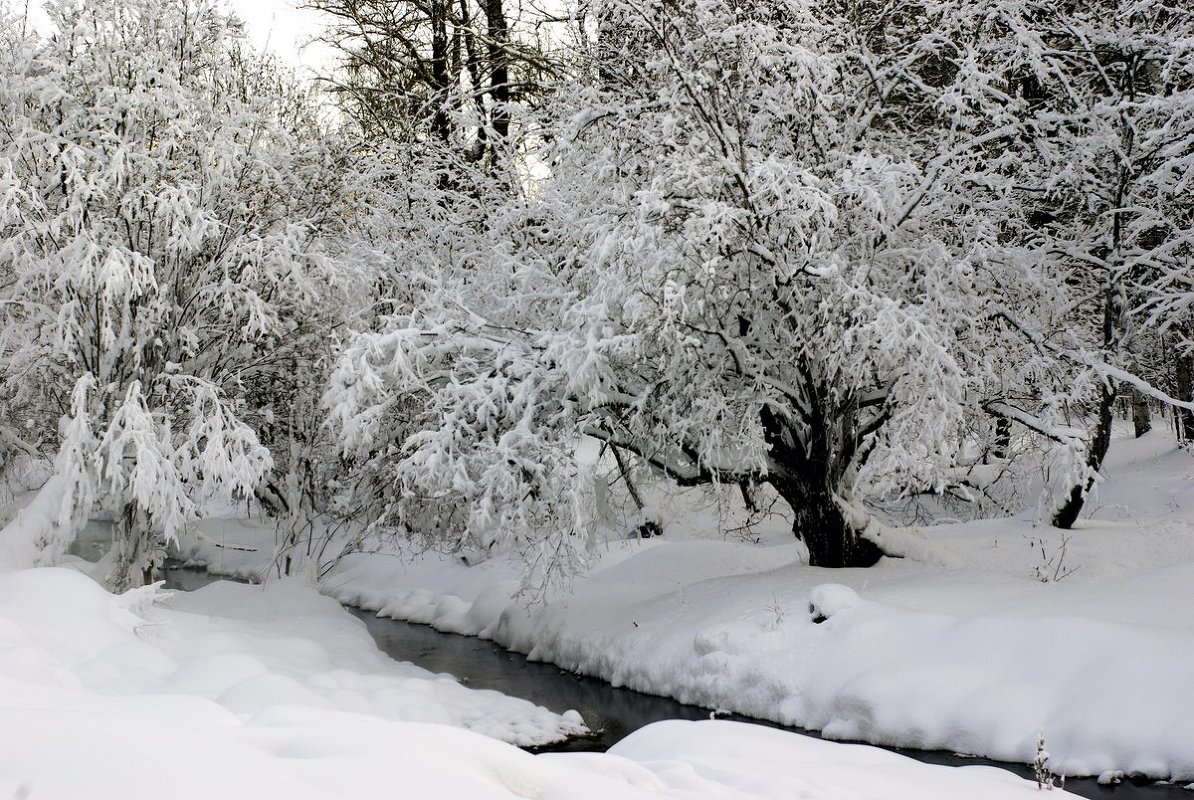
284, 29
277, 24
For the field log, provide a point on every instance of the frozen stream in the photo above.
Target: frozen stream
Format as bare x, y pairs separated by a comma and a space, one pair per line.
611, 712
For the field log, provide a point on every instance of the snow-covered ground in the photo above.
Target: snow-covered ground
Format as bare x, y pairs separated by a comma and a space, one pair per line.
238, 691
245, 691
963, 648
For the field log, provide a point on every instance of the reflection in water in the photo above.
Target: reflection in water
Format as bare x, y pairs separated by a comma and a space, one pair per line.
612, 713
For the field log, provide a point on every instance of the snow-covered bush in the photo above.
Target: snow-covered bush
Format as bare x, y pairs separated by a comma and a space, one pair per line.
164, 199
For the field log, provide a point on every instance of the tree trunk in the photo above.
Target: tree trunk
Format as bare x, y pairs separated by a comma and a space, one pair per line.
1141, 417
805, 479
1003, 437
1067, 515
499, 68
441, 122
624, 472
1183, 374
831, 541
139, 556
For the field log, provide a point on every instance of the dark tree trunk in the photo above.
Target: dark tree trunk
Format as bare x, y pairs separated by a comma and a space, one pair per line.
1141, 417
1003, 437
821, 525
805, 476
499, 68
441, 123
624, 471
1067, 515
748, 495
1183, 375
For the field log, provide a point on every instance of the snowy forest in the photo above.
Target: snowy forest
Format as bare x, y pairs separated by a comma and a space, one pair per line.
822, 362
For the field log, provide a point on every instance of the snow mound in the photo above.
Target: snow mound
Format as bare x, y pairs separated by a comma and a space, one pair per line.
700, 755
248, 649
829, 598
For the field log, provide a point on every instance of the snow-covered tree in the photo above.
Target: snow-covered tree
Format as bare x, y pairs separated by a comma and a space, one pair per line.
761, 255
1158, 220
1080, 119
1108, 121
165, 196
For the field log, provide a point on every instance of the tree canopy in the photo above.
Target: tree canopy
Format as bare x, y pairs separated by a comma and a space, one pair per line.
852, 251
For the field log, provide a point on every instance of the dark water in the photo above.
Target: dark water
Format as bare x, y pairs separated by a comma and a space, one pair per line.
610, 712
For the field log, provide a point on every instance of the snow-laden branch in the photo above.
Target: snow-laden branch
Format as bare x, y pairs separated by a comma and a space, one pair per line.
1099, 367
1062, 434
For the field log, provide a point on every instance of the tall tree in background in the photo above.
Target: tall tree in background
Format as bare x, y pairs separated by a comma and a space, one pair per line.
1085, 137
1112, 129
444, 71
1160, 218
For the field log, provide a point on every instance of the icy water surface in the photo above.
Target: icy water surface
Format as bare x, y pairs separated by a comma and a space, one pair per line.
611, 712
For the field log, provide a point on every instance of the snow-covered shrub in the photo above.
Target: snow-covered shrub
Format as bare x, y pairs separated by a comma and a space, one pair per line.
165, 198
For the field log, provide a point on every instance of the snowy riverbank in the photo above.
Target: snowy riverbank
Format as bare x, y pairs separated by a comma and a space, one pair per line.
242, 691
965, 651
246, 691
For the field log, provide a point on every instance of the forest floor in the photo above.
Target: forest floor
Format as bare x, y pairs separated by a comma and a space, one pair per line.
238, 691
